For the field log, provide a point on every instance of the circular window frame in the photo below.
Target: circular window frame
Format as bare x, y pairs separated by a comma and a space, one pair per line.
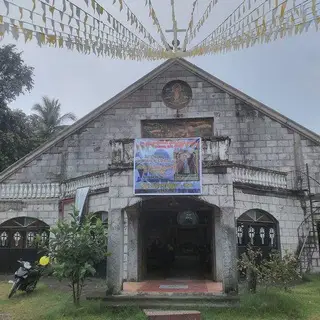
167, 89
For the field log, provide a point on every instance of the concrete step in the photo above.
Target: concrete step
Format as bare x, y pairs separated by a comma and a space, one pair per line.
174, 301
172, 315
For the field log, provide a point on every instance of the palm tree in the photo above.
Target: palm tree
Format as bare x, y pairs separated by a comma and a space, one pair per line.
48, 118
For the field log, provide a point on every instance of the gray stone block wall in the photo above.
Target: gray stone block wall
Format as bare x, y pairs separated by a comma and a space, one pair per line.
45, 210
99, 202
286, 210
256, 139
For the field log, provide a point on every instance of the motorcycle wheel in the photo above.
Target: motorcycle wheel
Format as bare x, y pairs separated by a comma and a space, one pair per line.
31, 287
14, 288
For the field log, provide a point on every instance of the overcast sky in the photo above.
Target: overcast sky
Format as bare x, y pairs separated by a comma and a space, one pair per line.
285, 75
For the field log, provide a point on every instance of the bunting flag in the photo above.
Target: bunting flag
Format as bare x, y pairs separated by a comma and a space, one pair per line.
193, 31
190, 26
256, 19
152, 14
130, 17
95, 45
282, 23
76, 17
63, 24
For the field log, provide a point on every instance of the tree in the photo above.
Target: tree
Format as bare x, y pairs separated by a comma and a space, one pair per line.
48, 117
16, 135
76, 249
15, 76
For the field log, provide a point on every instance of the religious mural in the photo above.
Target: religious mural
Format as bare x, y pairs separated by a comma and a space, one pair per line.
177, 128
176, 94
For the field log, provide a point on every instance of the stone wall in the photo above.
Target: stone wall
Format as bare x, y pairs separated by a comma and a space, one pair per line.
96, 203
256, 139
45, 210
286, 209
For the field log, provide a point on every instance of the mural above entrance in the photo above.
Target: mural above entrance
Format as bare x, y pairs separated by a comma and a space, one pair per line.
177, 128
176, 94
167, 166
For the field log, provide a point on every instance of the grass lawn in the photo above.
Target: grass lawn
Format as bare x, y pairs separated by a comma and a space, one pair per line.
303, 302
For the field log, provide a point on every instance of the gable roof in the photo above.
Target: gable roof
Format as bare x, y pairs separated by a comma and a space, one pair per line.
141, 82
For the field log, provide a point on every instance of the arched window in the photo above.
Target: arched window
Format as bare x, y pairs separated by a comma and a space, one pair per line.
259, 229
103, 216
17, 240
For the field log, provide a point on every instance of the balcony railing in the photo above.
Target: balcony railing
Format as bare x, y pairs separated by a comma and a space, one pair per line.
94, 181
259, 176
30, 191
213, 150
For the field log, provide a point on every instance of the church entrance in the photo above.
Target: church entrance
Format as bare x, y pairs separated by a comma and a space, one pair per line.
177, 239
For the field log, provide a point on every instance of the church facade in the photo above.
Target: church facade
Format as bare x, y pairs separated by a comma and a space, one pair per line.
258, 181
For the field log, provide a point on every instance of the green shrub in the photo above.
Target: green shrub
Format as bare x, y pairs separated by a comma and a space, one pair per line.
76, 248
280, 271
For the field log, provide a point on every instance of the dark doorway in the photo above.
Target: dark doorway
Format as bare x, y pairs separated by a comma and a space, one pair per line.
101, 267
178, 243
17, 241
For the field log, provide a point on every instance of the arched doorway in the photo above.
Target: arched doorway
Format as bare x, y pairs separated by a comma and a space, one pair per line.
259, 229
17, 241
177, 238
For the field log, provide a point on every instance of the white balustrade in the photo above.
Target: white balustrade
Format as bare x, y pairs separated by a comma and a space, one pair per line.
52, 190
258, 176
122, 151
95, 182
29, 191
215, 149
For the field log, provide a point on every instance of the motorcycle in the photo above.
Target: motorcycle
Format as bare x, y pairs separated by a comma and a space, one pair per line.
27, 276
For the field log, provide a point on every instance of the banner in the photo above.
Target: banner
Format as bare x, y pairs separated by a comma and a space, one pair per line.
81, 196
167, 166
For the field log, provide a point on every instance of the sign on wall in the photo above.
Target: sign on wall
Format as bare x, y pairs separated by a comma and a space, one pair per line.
167, 166
177, 128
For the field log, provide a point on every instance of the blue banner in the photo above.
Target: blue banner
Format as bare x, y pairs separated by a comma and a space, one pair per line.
167, 166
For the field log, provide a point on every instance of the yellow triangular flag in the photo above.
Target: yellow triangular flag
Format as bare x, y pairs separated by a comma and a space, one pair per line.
283, 9
314, 8
60, 42
51, 9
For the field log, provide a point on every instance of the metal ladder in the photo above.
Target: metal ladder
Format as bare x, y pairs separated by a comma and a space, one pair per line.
308, 229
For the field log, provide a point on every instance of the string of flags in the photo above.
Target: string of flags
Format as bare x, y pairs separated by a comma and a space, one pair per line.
131, 17
193, 31
80, 27
278, 22
190, 25
155, 21
63, 24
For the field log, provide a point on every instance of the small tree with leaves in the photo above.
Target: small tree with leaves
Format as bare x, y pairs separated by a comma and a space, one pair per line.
76, 248
249, 263
280, 271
